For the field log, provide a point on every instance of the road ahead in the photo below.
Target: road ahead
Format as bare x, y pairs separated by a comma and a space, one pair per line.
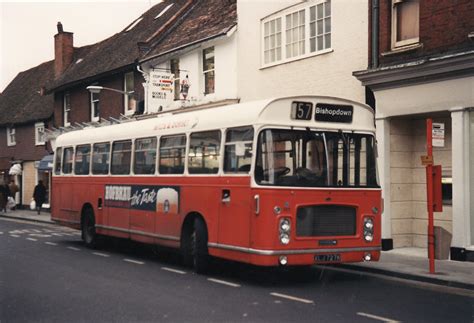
47, 275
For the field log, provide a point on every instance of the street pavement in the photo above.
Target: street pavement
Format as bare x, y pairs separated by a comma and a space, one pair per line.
47, 275
404, 263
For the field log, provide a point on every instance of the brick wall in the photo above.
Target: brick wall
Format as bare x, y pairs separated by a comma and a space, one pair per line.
111, 103
444, 26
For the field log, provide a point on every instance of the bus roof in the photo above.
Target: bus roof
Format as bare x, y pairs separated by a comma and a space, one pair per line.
270, 112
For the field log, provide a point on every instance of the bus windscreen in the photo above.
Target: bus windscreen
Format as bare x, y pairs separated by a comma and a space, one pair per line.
305, 158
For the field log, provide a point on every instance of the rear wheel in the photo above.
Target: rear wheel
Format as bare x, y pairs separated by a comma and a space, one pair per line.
88, 228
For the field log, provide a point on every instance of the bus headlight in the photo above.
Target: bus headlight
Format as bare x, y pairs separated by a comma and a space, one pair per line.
284, 238
368, 229
285, 225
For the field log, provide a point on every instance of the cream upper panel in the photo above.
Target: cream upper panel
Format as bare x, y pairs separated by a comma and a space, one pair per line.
273, 112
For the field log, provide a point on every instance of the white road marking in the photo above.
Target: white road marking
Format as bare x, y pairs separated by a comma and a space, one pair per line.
293, 298
1, 232
14, 236
134, 261
32, 239
223, 282
36, 230
39, 235
57, 234
101, 254
73, 248
176, 271
379, 318
51, 243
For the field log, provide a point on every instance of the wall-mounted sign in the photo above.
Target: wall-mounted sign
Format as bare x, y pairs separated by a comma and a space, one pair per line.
163, 199
334, 113
438, 134
160, 90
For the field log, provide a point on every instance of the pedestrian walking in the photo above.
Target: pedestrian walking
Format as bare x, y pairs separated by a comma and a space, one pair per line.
13, 190
4, 194
39, 195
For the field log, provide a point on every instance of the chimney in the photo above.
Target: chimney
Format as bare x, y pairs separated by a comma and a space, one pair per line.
63, 50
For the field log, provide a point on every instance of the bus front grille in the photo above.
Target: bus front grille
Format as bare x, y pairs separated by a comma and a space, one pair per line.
325, 220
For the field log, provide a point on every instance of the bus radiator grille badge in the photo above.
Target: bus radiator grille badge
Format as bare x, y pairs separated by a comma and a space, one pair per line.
327, 242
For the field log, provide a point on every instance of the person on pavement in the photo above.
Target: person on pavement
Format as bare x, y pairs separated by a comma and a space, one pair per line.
13, 190
4, 194
39, 195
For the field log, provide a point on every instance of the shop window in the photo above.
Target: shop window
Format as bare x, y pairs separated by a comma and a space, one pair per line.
405, 22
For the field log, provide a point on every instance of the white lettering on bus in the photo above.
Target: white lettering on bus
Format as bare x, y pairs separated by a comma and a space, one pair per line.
145, 196
118, 193
333, 112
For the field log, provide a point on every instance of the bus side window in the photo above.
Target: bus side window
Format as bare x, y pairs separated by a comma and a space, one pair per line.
144, 160
238, 150
57, 161
172, 154
82, 160
100, 159
204, 152
67, 160
121, 157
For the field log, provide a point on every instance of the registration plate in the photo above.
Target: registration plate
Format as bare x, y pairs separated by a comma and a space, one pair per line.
328, 257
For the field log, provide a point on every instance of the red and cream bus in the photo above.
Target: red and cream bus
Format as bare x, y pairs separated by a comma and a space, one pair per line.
288, 181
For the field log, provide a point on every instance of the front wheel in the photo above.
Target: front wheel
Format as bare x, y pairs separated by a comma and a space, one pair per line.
199, 251
88, 229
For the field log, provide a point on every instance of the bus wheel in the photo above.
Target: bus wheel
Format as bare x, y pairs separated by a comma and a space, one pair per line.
199, 250
88, 228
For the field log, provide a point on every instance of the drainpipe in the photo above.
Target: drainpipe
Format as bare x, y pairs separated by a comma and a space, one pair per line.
375, 33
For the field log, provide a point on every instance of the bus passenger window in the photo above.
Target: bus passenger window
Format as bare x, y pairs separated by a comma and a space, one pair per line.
67, 160
172, 153
82, 160
100, 159
238, 150
121, 157
204, 152
145, 156
57, 162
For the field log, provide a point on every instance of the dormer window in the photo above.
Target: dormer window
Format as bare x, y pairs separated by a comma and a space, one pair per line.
405, 22
39, 134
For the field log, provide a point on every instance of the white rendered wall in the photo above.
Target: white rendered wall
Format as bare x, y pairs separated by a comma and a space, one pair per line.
324, 74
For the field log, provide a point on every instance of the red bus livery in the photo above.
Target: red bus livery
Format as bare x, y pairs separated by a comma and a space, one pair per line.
289, 181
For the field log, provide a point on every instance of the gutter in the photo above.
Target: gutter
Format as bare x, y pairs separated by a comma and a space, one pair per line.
375, 33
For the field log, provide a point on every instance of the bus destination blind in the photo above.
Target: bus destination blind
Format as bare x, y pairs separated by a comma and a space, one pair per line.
334, 113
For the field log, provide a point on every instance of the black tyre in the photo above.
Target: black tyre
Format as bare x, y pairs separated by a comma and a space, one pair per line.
88, 228
199, 251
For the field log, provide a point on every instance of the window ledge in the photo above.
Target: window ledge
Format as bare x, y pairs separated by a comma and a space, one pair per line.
298, 58
404, 49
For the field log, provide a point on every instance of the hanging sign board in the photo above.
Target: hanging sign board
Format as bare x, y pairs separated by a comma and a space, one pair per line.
160, 90
438, 134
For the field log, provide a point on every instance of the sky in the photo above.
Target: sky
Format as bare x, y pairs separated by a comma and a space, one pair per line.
27, 28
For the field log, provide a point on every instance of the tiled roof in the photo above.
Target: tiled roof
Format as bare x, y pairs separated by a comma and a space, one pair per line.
206, 20
118, 51
22, 102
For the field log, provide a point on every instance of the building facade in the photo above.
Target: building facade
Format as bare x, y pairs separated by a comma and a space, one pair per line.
301, 47
422, 66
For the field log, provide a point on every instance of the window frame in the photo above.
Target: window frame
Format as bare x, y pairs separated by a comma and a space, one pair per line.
66, 108
394, 25
283, 14
11, 136
111, 165
134, 154
127, 99
183, 157
71, 172
38, 126
94, 103
225, 143
77, 148
218, 153
207, 72
108, 158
